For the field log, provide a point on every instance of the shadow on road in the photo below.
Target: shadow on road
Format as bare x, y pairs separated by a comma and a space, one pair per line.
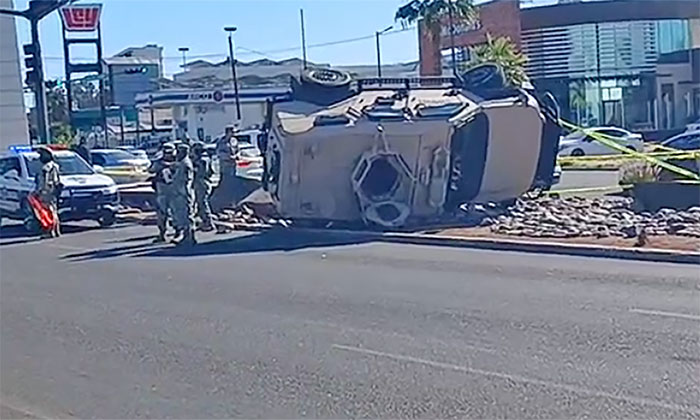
257, 242
19, 235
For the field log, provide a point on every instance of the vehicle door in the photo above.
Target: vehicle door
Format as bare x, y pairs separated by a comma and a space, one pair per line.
10, 184
620, 137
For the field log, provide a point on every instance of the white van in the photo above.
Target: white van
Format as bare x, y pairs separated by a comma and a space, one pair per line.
86, 195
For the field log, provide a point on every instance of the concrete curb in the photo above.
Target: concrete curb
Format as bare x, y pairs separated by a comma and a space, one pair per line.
500, 244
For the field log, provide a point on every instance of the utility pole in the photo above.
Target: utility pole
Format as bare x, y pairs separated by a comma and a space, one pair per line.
184, 50
379, 51
40, 106
232, 58
303, 38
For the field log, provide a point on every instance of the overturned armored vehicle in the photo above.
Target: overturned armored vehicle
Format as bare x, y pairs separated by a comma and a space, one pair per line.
394, 152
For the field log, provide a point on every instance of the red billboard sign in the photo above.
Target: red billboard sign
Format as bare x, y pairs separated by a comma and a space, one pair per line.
81, 17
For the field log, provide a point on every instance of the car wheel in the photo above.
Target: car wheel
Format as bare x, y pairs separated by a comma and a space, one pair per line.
577, 153
631, 148
107, 219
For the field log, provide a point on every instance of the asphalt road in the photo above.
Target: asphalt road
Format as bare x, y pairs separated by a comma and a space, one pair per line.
575, 180
100, 324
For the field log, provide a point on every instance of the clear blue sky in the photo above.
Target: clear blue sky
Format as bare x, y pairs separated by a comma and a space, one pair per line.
263, 25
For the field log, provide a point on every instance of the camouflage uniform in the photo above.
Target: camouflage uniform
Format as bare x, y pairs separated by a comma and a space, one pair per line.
183, 195
202, 185
163, 173
48, 188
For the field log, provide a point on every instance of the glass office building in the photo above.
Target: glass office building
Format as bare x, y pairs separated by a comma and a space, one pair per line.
604, 72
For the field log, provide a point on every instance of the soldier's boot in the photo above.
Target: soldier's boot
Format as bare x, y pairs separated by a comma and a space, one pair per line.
178, 237
188, 238
160, 238
206, 227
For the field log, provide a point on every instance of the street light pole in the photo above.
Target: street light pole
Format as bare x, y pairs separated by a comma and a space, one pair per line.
232, 59
184, 50
379, 52
452, 37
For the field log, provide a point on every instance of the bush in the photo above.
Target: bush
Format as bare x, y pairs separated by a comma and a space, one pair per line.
638, 172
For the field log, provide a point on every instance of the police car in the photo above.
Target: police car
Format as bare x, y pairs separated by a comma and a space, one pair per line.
86, 195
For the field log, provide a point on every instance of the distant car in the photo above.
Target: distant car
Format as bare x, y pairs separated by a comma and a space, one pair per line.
122, 166
138, 153
580, 143
690, 140
693, 126
249, 162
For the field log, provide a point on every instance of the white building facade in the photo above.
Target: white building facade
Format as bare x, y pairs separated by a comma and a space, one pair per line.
13, 116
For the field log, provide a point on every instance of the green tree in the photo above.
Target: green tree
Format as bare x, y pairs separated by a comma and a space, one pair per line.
503, 52
432, 11
57, 105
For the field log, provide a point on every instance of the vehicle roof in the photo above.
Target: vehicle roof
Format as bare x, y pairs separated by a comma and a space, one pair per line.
31, 153
683, 134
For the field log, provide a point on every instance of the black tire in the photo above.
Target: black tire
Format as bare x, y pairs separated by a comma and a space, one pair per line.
107, 219
483, 77
577, 153
326, 77
631, 148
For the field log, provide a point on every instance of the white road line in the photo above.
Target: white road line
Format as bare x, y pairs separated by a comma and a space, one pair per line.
667, 314
67, 247
518, 378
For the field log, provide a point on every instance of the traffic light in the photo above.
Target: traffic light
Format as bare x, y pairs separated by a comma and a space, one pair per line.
31, 63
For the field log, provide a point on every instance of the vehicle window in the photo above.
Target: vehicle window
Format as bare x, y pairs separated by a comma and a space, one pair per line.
8, 164
67, 165
686, 142
613, 132
115, 157
98, 159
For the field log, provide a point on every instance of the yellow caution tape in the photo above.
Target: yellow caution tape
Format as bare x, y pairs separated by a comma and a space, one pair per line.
612, 143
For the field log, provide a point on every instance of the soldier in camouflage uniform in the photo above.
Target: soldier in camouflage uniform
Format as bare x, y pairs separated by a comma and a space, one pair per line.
162, 169
183, 195
202, 186
48, 187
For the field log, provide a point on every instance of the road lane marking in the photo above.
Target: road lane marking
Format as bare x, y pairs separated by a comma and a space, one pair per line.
518, 378
666, 314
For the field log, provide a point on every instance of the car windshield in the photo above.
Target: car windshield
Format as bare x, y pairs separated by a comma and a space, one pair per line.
116, 156
67, 165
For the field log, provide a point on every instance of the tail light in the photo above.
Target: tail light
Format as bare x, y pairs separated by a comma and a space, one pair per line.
243, 163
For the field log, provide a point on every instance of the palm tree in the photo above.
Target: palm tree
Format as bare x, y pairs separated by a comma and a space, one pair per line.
503, 52
432, 11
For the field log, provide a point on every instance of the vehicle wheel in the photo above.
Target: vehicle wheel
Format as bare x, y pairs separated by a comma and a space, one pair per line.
31, 225
485, 76
322, 86
107, 219
632, 148
326, 77
577, 153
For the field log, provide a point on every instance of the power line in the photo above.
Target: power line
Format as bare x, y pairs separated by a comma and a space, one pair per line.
247, 50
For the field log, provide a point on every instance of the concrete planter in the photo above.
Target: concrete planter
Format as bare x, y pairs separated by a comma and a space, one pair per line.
652, 196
